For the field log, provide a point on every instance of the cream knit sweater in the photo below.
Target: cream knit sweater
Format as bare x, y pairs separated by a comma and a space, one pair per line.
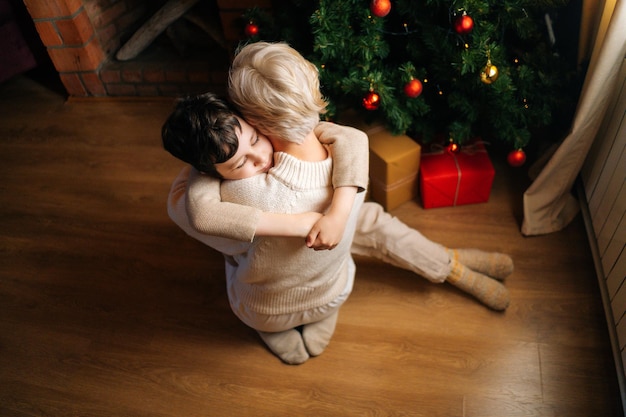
210, 214
276, 275
282, 275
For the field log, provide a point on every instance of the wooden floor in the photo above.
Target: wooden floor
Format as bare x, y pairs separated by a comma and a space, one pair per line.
108, 309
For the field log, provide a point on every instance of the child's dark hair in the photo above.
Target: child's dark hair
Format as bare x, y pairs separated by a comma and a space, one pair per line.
202, 131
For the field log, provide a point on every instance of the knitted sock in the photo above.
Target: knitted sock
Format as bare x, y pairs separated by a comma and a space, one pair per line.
496, 265
287, 345
491, 292
317, 335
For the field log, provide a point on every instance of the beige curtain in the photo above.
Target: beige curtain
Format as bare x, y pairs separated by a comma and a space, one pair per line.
549, 205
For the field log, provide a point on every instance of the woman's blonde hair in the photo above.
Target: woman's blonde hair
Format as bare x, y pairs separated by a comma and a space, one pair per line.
277, 90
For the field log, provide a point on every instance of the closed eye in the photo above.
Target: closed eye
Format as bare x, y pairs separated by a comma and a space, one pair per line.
253, 142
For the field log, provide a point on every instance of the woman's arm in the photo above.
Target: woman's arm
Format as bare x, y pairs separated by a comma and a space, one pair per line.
208, 214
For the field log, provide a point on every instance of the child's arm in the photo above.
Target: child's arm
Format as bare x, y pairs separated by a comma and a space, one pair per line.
327, 232
209, 215
350, 153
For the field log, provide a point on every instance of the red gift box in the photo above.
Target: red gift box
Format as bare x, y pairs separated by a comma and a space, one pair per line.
453, 179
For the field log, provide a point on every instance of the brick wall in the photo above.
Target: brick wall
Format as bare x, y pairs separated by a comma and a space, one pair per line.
82, 37
69, 37
113, 20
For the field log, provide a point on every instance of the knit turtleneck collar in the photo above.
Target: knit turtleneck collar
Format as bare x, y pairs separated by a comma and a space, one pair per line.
302, 175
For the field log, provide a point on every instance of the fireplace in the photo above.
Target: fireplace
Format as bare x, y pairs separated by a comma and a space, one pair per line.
83, 39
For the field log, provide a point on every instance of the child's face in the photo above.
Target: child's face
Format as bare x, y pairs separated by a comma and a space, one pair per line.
254, 156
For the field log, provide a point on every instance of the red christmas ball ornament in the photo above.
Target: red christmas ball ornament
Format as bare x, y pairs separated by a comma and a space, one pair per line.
251, 29
453, 147
371, 101
413, 88
463, 24
380, 8
516, 158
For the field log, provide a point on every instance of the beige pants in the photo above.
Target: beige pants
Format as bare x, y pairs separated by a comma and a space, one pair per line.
379, 235
382, 236
282, 322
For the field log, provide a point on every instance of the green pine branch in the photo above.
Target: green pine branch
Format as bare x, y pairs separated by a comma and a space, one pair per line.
357, 52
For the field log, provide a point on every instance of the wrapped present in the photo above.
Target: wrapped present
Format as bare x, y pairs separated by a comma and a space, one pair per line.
394, 167
394, 163
456, 178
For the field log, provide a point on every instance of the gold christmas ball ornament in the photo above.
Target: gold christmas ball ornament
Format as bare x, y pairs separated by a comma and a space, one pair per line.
489, 74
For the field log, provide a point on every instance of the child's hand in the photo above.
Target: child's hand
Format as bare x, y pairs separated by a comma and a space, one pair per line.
326, 233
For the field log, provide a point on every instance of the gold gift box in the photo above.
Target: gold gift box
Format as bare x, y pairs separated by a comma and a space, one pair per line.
394, 163
394, 168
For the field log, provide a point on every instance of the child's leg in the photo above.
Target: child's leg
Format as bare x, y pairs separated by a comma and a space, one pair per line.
380, 235
287, 345
317, 335
491, 292
383, 236
495, 264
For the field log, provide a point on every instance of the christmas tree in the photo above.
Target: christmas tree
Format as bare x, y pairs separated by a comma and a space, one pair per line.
431, 68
